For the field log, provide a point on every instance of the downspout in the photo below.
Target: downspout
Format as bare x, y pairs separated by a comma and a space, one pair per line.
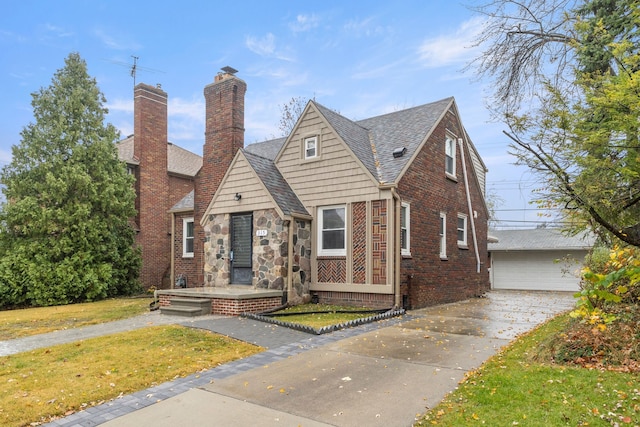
466, 187
172, 275
290, 260
397, 248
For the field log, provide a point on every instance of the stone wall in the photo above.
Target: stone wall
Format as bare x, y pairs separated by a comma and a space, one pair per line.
270, 252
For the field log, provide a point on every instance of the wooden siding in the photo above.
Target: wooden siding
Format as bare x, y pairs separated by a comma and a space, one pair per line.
479, 170
335, 176
241, 179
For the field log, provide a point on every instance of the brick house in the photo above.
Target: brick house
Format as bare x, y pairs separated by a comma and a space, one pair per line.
386, 211
164, 174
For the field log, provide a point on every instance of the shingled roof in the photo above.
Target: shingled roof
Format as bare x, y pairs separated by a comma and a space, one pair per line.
179, 160
276, 185
538, 239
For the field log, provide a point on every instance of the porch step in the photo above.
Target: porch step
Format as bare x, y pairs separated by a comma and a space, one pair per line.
188, 307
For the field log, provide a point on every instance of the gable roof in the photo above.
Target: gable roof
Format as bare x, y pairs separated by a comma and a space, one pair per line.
406, 128
373, 140
276, 185
179, 160
539, 239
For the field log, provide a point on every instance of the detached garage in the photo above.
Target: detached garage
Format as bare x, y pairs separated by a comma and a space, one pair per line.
542, 259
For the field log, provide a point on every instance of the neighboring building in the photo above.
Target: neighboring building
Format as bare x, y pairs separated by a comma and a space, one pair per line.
164, 174
542, 259
386, 211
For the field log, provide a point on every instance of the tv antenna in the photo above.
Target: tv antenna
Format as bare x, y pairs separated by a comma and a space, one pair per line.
134, 68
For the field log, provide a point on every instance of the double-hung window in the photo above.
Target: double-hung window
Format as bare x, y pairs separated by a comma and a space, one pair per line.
462, 230
443, 235
332, 231
450, 156
405, 227
187, 237
311, 147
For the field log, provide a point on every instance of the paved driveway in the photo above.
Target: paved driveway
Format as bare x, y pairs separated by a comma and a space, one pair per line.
384, 377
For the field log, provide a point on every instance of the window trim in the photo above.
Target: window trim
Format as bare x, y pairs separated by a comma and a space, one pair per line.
464, 242
331, 252
406, 251
185, 238
443, 235
305, 149
450, 142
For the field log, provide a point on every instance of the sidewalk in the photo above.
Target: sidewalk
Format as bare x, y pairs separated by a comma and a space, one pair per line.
385, 373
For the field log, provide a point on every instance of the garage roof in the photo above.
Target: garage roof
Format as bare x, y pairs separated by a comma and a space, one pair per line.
538, 239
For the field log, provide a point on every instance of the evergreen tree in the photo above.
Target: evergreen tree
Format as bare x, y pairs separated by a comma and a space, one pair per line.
65, 233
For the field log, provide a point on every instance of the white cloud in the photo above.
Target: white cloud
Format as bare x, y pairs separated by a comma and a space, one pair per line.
58, 31
451, 48
265, 46
120, 105
364, 27
118, 42
304, 23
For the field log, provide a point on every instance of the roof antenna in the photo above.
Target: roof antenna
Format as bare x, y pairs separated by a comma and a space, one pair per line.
134, 67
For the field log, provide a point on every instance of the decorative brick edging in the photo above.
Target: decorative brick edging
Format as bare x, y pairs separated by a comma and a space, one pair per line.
325, 329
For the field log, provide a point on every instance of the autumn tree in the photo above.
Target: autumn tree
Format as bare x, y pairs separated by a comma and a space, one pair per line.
65, 235
567, 87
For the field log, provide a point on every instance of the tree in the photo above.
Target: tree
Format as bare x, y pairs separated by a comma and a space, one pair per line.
579, 130
65, 233
290, 113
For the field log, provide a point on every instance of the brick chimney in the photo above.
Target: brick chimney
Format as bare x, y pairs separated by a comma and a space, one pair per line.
223, 137
150, 148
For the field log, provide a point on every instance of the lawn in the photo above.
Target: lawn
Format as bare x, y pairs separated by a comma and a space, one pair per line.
42, 384
320, 315
40, 320
520, 386
57, 381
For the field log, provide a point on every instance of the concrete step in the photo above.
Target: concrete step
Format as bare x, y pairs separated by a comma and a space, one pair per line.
187, 307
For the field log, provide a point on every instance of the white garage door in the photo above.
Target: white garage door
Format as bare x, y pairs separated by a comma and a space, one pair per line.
535, 270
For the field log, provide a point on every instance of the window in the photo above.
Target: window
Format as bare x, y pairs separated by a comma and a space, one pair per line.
311, 147
332, 231
187, 237
450, 156
462, 230
443, 235
405, 224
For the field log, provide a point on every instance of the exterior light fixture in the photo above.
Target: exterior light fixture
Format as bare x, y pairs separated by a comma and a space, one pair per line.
237, 197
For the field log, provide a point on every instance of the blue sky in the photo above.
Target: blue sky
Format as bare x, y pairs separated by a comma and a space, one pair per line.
359, 58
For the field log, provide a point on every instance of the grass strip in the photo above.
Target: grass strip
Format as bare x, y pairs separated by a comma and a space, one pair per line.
43, 384
512, 388
40, 320
320, 315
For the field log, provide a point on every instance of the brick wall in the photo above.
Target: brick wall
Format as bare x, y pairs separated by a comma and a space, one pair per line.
150, 147
182, 265
379, 241
359, 236
356, 299
224, 136
426, 278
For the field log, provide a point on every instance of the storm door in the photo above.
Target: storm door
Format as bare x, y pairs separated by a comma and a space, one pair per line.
241, 244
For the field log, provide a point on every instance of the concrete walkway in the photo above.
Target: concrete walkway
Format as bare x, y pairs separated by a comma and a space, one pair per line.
385, 373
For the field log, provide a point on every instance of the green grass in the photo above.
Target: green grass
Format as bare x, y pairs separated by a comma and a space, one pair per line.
40, 320
515, 388
40, 385
328, 314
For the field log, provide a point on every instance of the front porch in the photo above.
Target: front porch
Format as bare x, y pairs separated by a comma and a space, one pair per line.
228, 301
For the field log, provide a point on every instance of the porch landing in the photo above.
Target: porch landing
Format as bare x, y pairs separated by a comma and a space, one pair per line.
229, 301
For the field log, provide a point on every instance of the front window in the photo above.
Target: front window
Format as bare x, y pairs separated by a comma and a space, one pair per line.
187, 237
405, 226
443, 235
450, 156
310, 147
462, 230
332, 231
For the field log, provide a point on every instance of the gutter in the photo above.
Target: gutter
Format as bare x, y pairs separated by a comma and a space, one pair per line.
396, 246
473, 223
